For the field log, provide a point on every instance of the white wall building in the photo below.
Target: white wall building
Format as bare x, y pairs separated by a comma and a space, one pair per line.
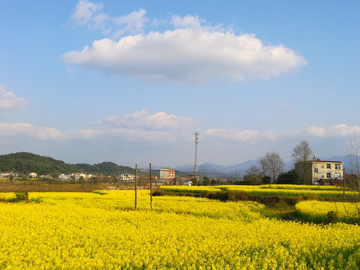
126, 178
167, 174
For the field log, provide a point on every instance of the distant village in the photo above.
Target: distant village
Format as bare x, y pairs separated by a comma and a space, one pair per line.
167, 176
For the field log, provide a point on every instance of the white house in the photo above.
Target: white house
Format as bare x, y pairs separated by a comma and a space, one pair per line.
32, 175
64, 176
4, 174
77, 176
126, 178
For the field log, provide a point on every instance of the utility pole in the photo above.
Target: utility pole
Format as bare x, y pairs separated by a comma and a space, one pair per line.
196, 168
344, 181
151, 199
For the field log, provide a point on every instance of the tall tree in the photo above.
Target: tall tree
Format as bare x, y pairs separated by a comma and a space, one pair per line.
253, 170
272, 165
353, 157
253, 176
301, 154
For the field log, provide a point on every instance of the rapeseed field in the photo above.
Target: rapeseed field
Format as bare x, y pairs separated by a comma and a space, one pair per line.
101, 230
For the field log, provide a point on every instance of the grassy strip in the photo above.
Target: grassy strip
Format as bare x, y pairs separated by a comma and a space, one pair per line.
279, 207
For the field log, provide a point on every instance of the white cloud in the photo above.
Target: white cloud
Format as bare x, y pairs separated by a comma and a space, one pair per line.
85, 12
27, 130
89, 14
134, 22
253, 136
333, 131
193, 55
143, 119
123, 134
21, 130
234, 135
9, 100
185, 22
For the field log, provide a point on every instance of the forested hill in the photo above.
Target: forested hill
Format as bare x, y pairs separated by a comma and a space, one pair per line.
105, 168
25, 163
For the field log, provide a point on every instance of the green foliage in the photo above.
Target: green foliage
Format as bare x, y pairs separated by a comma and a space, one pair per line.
100, 192
332, 216
24, 163
19, 196
266, 180
206, 181
194, 181
251, 180
106, 168
22, 196
220, 195
238, 196
290, 177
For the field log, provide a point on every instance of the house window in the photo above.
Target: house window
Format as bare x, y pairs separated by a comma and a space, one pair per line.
328, 175
322, 167
322, 177
337, 166
316, 170
337, 175
328, 166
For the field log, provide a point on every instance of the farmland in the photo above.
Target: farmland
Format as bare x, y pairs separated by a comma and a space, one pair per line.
102, 230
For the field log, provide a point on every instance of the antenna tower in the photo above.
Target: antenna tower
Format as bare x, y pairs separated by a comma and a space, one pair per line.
196, 168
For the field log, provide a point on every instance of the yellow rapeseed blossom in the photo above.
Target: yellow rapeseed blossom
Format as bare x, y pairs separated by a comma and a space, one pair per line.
319, 211
101, 231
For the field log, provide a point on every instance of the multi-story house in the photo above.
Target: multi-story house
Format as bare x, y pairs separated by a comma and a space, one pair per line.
167, 175
312, 171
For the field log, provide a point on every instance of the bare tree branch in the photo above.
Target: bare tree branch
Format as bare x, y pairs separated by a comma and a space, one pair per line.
272, 165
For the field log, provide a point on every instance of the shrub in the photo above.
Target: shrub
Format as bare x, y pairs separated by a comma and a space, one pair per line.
22, 196
238, 196
332, 216
220, 195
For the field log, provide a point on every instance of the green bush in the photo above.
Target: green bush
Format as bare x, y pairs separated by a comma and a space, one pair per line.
21, 196
220, 195
238, 196
332, 216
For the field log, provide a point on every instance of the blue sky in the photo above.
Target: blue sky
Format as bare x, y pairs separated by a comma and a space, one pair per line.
131, 81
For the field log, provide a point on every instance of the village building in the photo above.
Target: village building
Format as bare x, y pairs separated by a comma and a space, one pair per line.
167, 175
315, 170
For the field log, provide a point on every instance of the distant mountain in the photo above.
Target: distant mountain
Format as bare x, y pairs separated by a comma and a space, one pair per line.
25, 163
241, 168
185, 168
105, 168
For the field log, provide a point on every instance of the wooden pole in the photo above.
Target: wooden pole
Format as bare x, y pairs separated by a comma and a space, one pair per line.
344, 182
136, 187
151, 199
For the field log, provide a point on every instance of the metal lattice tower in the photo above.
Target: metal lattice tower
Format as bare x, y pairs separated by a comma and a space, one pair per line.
196, 168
